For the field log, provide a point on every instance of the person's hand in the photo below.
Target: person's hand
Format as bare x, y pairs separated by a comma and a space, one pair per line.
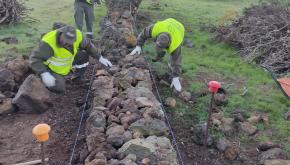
105, 61
176, 84
137, 51
47, 79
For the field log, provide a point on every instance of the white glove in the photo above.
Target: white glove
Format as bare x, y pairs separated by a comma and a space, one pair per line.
137, 50
105, 61
176, 83
47, 79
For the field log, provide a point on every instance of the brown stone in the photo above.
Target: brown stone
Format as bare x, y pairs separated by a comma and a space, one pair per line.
19, 68
146, 161
6, 106
170, 102
102, 72
254, 119
231, 153
248, 128
277, 162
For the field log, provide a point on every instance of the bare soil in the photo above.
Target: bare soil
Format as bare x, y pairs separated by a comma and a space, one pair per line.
17, 143
193, 153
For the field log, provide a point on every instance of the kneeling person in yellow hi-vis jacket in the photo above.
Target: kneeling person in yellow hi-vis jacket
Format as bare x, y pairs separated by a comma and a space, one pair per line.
56, 54
168, 36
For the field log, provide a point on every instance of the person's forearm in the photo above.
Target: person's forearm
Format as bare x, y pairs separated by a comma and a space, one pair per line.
38, 56
90, 48
144, 35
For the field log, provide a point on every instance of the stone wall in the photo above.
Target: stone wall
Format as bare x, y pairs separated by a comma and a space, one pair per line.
126, 124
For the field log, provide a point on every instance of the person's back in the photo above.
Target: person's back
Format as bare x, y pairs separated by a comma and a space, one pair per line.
168, 37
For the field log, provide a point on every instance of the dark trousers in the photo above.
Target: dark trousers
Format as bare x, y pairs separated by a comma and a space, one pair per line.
174, 63
84, 9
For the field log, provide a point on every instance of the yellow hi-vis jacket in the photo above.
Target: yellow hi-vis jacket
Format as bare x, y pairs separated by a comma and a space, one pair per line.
61, 61
174, 28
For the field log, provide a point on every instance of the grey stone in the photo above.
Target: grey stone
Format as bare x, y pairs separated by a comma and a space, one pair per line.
32, 96
7, 82
95, 140
96, 122
152, 112
116, 130
2, 96
227, 126
116, 140
148, 127
158, 147
144, 102
198, 135
277, 162
274, 153
104, 90
127, 136
222, 144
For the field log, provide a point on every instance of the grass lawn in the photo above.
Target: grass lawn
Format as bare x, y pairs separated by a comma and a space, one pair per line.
217, 61
43, 15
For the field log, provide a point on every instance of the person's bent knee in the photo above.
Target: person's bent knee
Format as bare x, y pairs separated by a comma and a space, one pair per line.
57, 89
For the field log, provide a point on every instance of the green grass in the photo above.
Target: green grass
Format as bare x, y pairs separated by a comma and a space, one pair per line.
43, 15
218, 61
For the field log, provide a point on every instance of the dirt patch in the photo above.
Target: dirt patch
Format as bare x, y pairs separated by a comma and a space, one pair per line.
183, 123
192, 153
18, 144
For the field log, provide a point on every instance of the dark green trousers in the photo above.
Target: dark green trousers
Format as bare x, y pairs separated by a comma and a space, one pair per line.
174, 63
84, 9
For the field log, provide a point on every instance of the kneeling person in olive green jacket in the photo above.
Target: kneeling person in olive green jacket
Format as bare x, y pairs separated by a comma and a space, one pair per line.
168, 36
58, 52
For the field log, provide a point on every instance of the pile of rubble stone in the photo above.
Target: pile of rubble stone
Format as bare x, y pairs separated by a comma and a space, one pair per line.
19, 92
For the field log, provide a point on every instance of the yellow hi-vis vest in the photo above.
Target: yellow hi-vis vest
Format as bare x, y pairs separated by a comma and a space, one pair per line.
62, 59
174, 28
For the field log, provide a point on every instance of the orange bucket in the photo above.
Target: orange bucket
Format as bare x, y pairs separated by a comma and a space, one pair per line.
41, 132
